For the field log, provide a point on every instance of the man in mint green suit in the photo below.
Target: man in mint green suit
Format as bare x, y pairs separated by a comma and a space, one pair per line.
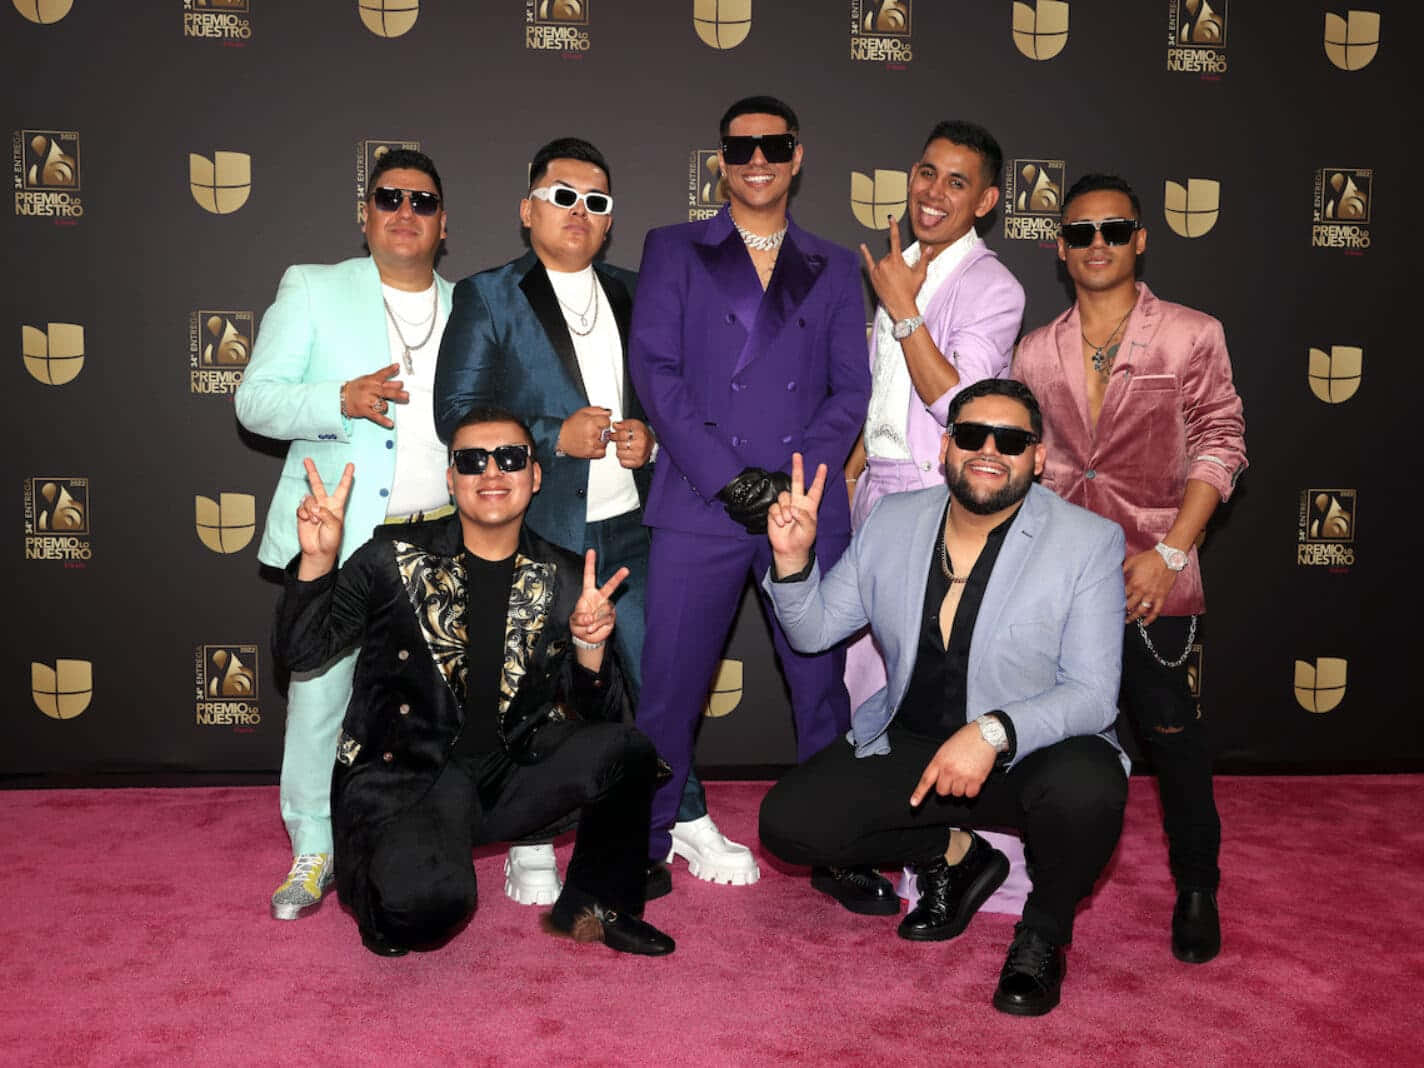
343, 369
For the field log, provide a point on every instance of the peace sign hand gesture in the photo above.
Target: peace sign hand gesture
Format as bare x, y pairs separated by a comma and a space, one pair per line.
791, 520
896, 283
594, 616
320, 519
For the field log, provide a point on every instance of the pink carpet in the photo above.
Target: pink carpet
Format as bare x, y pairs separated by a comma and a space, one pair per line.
135, 932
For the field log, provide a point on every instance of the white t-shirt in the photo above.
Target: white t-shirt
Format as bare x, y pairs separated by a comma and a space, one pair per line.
421, 458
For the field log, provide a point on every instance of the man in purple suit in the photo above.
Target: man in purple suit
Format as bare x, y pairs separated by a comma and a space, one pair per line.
747, 345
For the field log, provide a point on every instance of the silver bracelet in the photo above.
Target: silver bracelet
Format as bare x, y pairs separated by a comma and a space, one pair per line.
590, 646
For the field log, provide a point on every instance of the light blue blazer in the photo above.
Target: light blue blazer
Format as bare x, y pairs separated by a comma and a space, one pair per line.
1047, 644
326, 327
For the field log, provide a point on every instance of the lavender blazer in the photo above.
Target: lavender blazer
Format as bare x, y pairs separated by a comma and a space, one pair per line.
731, 378
1170, 413
973, 318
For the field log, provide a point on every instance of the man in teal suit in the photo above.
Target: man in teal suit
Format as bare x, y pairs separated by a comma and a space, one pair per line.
545, 336
343, 369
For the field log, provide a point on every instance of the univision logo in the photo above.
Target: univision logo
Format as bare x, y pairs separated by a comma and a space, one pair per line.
64, 690
1191, 210
877, 198
1334, 376
227, 524
726, 691
1352, 41
722, 24
222, 184
388, 18
1040, 29
53, 355
43, 11
1320, 687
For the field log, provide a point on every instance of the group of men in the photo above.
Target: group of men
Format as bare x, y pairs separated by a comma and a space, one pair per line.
624, 452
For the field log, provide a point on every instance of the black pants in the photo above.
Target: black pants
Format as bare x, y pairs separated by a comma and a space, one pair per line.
1159, 703
422, 879
1067, 800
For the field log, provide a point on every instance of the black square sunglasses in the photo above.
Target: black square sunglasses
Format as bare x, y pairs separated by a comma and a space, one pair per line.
775, 148
388, 198
1009, 440
473, 461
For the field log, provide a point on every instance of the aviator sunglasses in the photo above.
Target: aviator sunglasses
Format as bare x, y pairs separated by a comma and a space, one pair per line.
473, 461
1009, 440
1114, 231
775, 148
565, 197
388, 198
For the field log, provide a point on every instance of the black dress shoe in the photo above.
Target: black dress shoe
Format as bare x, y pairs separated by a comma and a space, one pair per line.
378, 945
951, 895
658, 882
620, 931
1032, 977
1196, 927
863, 890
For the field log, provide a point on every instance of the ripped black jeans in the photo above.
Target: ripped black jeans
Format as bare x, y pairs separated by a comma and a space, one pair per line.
1163, 712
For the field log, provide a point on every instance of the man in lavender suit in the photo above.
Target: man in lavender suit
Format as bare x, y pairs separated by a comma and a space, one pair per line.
747, 345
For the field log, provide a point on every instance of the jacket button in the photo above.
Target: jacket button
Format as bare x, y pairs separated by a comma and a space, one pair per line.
385, 493
405, 710
731, 318
404, 654
388, 757
736, 440
925, 466
790, 386
1090, 473
786, 440
581, 492
801, 323
390, 444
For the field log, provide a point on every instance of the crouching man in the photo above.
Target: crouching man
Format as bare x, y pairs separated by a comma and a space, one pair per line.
483, 710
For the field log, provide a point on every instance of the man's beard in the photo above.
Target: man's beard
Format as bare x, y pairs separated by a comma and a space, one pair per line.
1013, 491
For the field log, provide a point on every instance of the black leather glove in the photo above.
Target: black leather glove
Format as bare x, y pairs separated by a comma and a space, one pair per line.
748, 496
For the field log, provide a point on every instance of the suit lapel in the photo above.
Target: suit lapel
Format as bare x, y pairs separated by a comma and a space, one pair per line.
622, 305
1141, 325
531, 593
539, 291
730, 270
1066, 337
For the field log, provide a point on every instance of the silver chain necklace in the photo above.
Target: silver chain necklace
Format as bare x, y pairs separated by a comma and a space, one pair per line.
585, 322
770, 243
429, 330
1103, 361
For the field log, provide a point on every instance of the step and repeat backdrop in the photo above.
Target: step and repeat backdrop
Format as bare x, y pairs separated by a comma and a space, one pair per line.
171, 157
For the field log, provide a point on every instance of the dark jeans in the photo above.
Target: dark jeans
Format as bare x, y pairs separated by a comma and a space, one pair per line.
422, 879
1067, 800
1159, 703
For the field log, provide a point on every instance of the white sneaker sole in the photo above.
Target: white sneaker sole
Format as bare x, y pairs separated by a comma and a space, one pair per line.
731, 875
526, 892
292, 912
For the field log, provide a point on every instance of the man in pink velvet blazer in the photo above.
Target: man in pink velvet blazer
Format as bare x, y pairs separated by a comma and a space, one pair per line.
1143, 426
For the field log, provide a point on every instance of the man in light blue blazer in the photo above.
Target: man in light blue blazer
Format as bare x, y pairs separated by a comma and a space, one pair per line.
999, 608
343, 369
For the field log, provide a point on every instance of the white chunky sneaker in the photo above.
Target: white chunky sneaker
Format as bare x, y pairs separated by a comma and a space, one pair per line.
530, 875
311, 874
711, 856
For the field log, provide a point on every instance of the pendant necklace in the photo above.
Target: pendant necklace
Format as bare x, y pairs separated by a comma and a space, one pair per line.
1103, 361
406, 345
586, 324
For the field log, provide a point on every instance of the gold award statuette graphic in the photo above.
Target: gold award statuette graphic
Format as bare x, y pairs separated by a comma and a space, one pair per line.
1194, 671
1334, 376
47, 174
368, 154
1033, 196
877, 198
388, 18
722, 24
1342, 208
880, 31
1191, 210
222, 184
219, 346
1327, 523
226, 686
226, 525
706, 191
218, 20
1352, 39
726, 691
1196, 36
58, 520
557, 25
62, 691
43, 11
1320, 687
1040, 29
54, 353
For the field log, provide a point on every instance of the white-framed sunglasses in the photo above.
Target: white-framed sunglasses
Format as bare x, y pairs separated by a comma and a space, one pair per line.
566, 197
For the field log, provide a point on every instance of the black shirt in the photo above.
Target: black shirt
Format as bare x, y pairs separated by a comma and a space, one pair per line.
487, 585
935, 705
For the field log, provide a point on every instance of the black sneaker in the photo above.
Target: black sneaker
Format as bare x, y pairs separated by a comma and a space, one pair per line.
1032, 977
951, 895
863, 890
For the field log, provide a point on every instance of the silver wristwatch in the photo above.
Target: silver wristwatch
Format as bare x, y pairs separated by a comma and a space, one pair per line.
903, 328
1175, 559
992, 731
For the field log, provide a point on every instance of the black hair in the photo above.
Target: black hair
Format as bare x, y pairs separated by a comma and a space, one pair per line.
489, 413
972, 136
1093, 183
400, 159
759, 105
1000, 387
567, 148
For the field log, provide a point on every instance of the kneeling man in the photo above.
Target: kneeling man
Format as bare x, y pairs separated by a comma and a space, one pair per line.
483, 710
999, 608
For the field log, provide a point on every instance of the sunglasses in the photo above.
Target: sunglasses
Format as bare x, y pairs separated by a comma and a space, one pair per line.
1114, 231
775, 148
473, 461
565, 197
388, 198
1009, 440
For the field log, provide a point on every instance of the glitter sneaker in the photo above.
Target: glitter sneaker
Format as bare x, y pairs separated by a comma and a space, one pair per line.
311, 874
